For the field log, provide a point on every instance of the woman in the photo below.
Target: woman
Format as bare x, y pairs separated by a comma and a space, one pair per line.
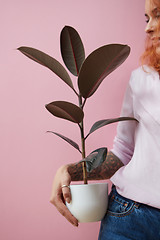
134, 162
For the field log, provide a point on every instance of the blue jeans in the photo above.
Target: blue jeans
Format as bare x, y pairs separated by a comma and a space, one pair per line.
126, 219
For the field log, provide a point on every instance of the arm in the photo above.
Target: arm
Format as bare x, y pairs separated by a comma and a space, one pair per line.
73, 172
104, 171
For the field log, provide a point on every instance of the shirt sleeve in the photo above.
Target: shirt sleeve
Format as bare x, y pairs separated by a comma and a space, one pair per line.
123, 145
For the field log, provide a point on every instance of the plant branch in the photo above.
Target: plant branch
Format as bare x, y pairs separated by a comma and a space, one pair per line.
76, 92
84, 102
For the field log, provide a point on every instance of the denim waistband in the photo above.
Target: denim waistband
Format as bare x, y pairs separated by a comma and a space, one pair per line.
115, 193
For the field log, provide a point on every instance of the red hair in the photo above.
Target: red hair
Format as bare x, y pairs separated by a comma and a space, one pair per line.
150, 57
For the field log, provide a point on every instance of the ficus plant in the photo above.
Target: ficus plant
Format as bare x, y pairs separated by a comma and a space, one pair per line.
90, 73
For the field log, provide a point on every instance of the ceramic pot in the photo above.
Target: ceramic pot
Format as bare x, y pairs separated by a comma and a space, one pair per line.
89, 201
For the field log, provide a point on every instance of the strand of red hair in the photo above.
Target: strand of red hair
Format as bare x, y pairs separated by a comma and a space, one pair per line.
150, 56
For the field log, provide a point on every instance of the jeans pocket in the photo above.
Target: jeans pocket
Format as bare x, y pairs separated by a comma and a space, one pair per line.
119, 206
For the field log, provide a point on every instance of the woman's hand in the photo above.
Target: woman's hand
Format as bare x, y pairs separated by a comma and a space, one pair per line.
59, 195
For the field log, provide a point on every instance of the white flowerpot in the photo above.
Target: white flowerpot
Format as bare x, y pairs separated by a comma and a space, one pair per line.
89, 201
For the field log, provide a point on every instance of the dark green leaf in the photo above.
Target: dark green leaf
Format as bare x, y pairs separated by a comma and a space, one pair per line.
75, 145
47, 61
95, 158
98, 65
72, 49
66, 110
105, 122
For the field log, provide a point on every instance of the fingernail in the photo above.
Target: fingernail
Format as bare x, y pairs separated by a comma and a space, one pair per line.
68, 200
75, 224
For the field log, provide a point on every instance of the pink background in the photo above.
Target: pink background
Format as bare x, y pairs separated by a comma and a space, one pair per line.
29, 157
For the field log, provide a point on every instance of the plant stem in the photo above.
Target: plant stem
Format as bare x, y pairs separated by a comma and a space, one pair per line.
83, 145
83, 155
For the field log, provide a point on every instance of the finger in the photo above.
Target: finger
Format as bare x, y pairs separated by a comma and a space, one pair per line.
61, 207
66, 193
67, 214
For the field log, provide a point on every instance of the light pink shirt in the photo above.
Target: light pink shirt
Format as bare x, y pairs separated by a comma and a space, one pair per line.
138, 144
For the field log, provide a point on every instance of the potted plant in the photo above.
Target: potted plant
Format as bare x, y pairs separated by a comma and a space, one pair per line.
90, 73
